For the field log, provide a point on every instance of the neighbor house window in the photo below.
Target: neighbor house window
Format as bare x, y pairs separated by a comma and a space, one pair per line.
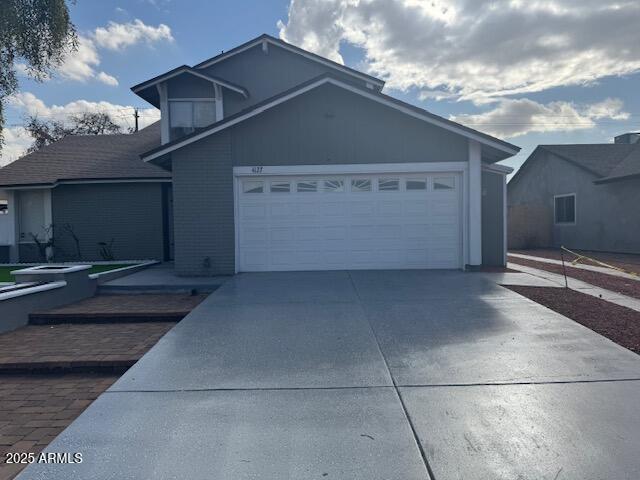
4, 207
565, 209
187, 116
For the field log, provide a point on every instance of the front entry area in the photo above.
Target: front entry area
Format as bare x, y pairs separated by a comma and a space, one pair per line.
340, 222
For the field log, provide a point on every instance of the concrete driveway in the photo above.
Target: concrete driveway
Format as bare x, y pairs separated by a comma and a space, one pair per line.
366, 375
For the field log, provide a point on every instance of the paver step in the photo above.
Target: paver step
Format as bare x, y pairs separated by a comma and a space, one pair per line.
44, 318
155, 289
68, 366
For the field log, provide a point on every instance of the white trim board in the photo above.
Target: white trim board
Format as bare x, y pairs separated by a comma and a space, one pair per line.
346, 169
80, 182
182, 70
264, 41
327, 80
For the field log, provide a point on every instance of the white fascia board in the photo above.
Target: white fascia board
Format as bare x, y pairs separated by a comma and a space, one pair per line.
350, 169
495, 168
261, 41
197, 74
346, 86
82, 182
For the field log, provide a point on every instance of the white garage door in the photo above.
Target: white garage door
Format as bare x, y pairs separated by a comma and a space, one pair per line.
349, 222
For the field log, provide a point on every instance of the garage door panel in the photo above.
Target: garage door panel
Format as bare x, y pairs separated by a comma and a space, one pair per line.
253, 212
390, 209
336, 227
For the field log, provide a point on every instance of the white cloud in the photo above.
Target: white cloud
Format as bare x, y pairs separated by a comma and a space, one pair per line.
117, 36
81, 65
107, 79
17, 140
513, 118
27, 104
475, 49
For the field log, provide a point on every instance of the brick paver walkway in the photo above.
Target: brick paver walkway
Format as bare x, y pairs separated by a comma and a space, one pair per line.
36, 408
72, 345
131, 304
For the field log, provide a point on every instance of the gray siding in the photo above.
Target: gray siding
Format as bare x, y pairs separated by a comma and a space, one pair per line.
203, 208
129, 213
189, 86
606, 219
332, 126
267, 74
492, 219
325, 126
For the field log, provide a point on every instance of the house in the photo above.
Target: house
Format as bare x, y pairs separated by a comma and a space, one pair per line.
283, 160
578, 196
93, 187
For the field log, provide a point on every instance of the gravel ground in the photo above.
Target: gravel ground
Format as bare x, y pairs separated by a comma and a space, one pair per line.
610, 282
619, 324
625, 261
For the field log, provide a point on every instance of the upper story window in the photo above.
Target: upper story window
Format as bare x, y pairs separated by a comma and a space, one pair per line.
4, 207
564, 209
187, 116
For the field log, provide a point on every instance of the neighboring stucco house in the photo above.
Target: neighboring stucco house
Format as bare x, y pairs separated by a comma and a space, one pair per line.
578, 196
284, 160
95, 186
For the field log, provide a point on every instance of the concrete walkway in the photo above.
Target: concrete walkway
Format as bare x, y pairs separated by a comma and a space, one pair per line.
161, 278
558, 280
591, 268
394, 375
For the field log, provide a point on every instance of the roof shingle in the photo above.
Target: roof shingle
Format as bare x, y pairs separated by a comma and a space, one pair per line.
599, 158
87, 157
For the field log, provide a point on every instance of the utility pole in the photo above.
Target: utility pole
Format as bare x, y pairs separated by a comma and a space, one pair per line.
136, 115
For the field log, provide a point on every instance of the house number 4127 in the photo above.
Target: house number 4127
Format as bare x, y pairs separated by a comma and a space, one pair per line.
256, 169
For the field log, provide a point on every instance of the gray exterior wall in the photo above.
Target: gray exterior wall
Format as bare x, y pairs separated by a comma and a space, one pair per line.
267, 74
492, 219
329, 125
606, 219
130, 213
325, 126
203, 207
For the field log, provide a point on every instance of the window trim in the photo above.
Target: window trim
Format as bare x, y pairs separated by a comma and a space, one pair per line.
575, 209
192, 102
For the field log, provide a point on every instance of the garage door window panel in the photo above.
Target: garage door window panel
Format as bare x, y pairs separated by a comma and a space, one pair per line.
334, 186
416, 184
388, 184
252, 186
280, 187
360, 185
444, 183
307, 186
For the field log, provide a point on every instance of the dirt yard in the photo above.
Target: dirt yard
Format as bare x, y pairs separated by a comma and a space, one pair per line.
625, 261
619, 324
610, 282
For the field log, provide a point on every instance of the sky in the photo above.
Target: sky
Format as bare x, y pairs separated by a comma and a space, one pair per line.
528, 71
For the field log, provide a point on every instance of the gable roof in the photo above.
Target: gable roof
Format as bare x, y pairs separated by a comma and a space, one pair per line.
598, 158
403, 107
606, 161
152, 97
269, 40
86, 158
